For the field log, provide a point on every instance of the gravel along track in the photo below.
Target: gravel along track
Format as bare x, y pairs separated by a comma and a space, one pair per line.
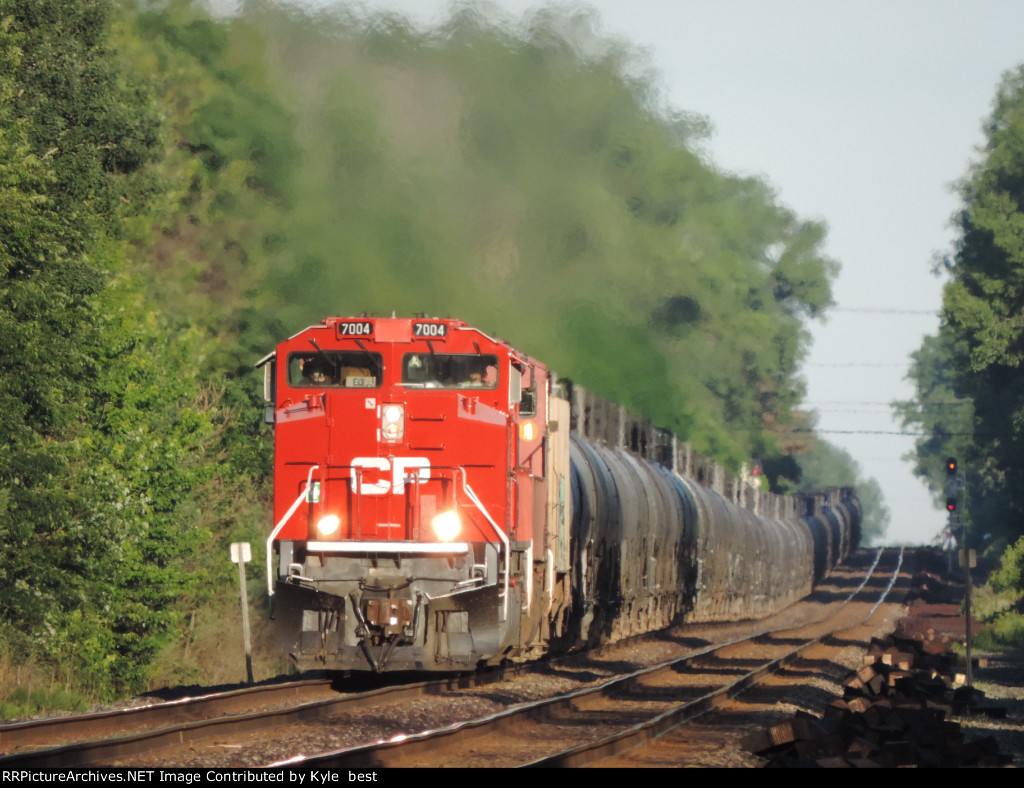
808, 686
540, 736
716, 740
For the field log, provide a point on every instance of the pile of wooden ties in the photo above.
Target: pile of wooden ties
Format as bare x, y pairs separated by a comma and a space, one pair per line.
897, 710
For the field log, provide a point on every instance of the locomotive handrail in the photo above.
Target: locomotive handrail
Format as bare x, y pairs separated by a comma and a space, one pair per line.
280, 525
501, 536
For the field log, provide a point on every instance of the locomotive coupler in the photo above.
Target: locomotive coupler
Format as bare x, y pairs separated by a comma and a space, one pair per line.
383, 623
390, 617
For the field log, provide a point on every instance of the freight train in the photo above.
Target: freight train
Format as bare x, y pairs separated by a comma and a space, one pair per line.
443, 502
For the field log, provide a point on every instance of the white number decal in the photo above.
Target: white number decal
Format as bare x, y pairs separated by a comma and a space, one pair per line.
429, 329
361, 329
399, 474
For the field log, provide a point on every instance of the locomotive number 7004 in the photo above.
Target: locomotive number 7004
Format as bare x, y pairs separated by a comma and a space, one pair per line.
362, 328
429, 330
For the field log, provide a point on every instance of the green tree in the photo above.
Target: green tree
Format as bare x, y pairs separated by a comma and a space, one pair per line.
106, 428
177, 193
970, 378
522, 176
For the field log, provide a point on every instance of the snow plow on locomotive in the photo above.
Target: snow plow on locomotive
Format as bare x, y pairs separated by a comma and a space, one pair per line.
441, 503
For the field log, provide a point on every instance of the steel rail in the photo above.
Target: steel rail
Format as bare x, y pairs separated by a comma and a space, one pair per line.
642, 733
44, 732
383, 753
96, 738
190, 720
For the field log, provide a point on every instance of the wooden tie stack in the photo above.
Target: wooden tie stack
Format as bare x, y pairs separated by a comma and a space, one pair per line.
897, 710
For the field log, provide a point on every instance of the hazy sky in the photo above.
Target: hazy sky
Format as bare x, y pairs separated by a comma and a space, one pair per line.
860, 114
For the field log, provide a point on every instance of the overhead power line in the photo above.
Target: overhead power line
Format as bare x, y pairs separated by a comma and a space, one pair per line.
886, 311
908, 433
865, 364
881, 402
918, 409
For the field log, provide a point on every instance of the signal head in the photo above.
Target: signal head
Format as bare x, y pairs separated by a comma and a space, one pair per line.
951, 465
951, 504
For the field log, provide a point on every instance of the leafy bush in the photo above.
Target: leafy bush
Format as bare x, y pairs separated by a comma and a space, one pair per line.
1006, 631
28, 689
1011, 569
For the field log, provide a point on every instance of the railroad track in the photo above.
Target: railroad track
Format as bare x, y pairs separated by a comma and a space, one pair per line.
45, 733
169, 727
616, 716
105, 737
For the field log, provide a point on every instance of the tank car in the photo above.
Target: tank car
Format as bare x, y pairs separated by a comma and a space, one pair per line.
440, 503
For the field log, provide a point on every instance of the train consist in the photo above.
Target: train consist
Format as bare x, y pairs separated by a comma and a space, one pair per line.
441, 502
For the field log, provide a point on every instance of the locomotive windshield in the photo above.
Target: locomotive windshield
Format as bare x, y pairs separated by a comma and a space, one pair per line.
449, 371
350, 369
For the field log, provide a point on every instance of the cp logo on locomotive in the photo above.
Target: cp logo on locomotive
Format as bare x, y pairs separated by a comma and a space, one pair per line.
401, 471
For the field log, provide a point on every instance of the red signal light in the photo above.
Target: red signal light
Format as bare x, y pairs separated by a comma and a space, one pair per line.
951, 504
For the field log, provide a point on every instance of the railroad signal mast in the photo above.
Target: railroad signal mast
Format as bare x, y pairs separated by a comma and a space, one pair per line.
954, 491
956, 488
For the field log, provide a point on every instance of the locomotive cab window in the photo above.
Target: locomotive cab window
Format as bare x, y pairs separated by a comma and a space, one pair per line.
449, 371
528, 403
351, 369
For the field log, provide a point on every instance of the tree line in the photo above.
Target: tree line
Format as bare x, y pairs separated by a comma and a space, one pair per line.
179, 192
970, 375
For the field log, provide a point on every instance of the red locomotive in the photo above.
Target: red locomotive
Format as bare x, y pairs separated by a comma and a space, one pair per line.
432, 512
410, 462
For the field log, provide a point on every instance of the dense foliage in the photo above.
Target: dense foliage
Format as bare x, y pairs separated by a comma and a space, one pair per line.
970, 378
524, 179
178, 193
111, 440
75, 134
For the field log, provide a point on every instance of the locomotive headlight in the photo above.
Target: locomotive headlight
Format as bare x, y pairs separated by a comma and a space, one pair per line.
328, 524
392, 422
446, 526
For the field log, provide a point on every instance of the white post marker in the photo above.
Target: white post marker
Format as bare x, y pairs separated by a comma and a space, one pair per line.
241, 554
